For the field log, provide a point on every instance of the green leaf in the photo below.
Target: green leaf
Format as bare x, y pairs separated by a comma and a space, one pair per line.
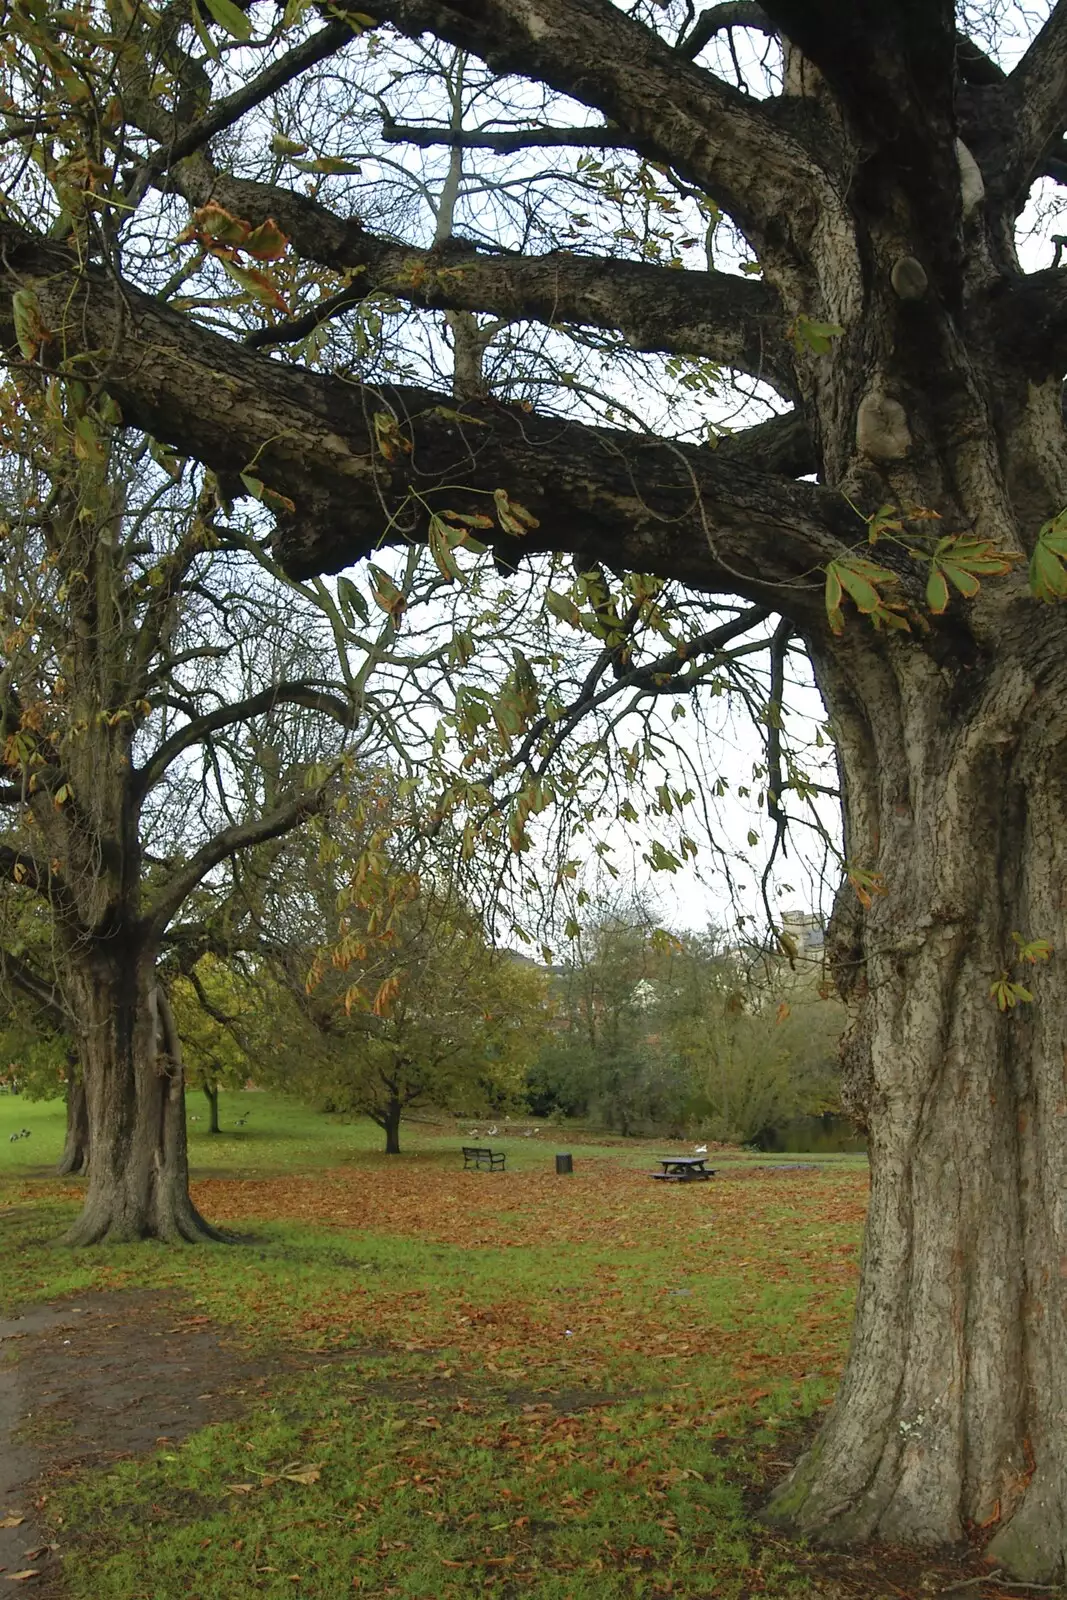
201, 32
936, 591
965, 581
563, 607
818, 337
87, 446
859, 588
230, 17
254, 485
352, 599
1048, 576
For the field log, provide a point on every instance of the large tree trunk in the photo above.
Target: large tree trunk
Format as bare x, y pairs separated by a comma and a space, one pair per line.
138, 1177
951, 1413
75, 1157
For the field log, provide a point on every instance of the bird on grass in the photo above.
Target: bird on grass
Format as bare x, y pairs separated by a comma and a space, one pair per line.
700, 1149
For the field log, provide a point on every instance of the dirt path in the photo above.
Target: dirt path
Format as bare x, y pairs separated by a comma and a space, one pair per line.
101, 1377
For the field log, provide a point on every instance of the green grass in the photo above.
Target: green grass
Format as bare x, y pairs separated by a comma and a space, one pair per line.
466, 1313
283, 1135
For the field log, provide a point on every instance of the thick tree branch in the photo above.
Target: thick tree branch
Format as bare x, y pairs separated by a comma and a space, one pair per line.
728, 319
781, 444
361, 465
22, 867
1038, 87
725, 141
200, 728
43, 995
730, 14
1029, 319
506, 141
892, 67
229, 842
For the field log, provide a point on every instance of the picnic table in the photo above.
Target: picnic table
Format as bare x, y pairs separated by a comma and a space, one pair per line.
684, 1169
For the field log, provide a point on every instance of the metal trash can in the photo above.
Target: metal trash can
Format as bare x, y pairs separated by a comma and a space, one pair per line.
565, 1163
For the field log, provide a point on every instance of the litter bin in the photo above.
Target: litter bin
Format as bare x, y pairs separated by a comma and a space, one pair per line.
565, 1163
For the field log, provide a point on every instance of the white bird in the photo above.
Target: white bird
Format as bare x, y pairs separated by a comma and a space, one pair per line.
472, 1133
491, 1132
700, 1149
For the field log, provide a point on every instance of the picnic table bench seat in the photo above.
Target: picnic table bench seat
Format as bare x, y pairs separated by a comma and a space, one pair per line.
684, 1169
488, 1160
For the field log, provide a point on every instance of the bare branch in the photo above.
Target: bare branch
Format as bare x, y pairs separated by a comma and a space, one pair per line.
506, 141
43, 994
197, 729
229, 842
725, 141
731, 14
232, 107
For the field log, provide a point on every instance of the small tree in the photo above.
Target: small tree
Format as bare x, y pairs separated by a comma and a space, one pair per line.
214, 1010
438, 1018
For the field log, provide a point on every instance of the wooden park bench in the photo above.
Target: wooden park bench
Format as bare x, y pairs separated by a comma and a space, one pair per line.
488, 1160
684, 1169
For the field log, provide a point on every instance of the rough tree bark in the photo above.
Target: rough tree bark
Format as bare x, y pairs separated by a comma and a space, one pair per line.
138, 1177
211, 1094
75, 1157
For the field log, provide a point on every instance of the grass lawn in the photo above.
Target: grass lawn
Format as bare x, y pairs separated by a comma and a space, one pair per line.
555, 1387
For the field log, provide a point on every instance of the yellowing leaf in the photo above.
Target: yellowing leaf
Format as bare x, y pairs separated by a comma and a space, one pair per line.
215, 222
30, 330
286, 147
388, 437
936, 591
332, 166
255, 283
11, 1522
267, 242
513, 517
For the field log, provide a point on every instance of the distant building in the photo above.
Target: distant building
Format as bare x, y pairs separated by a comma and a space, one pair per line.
806, 928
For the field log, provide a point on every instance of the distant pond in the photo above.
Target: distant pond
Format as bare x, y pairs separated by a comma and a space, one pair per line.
826, 1135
